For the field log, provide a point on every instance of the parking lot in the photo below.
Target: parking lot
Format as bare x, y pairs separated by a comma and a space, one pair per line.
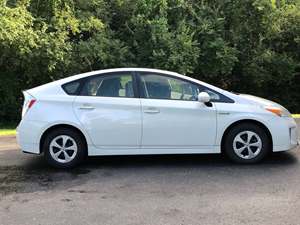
183, 189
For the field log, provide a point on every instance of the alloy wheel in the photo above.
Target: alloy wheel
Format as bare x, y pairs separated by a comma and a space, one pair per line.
63, 148
247, 144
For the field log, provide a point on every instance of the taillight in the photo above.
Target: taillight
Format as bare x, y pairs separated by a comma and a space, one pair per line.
28, 103
31, 103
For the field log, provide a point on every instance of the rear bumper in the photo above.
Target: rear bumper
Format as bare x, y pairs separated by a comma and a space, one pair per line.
28, 135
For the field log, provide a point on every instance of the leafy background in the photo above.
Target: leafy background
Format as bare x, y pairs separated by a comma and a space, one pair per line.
247, 46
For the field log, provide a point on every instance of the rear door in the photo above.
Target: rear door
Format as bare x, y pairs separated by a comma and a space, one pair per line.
109, 110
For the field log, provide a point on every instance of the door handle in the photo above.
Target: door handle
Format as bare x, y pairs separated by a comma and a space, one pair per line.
151, 110
86, 107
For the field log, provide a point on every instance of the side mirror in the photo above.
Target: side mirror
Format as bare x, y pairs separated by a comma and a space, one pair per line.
203, 97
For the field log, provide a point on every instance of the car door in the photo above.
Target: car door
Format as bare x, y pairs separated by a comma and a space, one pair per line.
109, 110
172, 116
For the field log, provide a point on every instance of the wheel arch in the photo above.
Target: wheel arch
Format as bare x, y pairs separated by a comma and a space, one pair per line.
258, 123
57, 126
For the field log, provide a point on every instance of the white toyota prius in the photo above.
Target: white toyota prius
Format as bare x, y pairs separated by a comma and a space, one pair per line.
133, 111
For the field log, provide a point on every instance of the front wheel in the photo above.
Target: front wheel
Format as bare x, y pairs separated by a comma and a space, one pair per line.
64, 148
247, 143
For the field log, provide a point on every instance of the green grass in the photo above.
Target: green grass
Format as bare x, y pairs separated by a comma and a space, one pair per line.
7, 129
6, 132
296, 116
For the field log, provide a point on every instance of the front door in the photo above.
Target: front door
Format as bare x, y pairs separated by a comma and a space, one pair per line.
172, 116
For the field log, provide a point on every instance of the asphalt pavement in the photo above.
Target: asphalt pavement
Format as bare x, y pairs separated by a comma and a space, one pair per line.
158, 190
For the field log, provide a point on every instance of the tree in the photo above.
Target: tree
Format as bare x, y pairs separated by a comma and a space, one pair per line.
248, 46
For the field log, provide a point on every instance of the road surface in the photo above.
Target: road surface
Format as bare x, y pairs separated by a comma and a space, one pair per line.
184, 189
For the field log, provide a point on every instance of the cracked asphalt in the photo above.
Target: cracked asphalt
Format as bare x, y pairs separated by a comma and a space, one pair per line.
182, 189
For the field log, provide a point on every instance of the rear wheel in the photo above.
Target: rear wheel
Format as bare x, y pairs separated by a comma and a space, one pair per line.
64, 148
247, 143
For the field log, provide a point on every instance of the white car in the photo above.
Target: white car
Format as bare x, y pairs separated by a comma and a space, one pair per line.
133, 111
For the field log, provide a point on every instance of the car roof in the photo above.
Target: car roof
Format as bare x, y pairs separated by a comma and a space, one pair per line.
55, 86
96, 72
99, 72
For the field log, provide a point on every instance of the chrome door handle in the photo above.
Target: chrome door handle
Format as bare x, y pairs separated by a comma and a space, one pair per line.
151, 110
87, 107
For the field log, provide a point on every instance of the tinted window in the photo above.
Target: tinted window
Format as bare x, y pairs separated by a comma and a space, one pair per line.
72, 87
109, 86
163, 87
158, 86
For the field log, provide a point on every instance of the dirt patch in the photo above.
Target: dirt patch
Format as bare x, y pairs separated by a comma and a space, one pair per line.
14, 179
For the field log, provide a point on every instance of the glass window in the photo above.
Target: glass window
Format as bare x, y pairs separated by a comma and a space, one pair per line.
214, 96
71, 88
109, 86
164, 87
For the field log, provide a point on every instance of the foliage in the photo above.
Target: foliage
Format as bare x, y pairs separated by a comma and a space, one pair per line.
248, 46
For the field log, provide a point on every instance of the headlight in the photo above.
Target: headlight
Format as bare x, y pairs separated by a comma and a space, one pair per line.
279, 111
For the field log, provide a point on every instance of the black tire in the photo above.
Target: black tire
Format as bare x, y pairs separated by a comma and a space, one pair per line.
237, 130
78, 157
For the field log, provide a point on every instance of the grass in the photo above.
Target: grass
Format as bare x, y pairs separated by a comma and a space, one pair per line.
7, 129
11, 130
296, 116
6, 132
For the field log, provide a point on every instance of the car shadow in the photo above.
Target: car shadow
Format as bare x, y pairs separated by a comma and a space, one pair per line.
183, 160
36, 175
193, 160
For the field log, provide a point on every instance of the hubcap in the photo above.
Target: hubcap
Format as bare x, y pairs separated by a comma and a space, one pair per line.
247, 144
63, 149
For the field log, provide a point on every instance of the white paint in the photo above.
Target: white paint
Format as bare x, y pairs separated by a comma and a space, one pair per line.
129, 126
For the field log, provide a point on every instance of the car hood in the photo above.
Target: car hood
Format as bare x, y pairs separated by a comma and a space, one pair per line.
259, 101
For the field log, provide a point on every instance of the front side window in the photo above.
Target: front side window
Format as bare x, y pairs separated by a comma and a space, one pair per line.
157, 86
163, 87
115, 85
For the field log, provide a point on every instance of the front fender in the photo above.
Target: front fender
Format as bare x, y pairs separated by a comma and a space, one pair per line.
226, 116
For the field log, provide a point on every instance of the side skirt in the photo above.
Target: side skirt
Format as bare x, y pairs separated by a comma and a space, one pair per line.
152, 151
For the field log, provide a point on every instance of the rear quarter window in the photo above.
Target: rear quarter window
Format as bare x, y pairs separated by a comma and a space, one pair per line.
71, 88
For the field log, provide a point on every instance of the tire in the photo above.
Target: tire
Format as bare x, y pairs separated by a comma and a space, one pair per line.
69, 143
241, 150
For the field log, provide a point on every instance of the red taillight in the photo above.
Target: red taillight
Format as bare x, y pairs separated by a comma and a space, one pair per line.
29, 101
30, 104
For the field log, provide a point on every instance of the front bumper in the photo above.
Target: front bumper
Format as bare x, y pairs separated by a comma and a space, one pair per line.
286, 134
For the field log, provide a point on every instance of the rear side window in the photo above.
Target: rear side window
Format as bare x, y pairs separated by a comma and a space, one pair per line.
71, 88
116, 85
